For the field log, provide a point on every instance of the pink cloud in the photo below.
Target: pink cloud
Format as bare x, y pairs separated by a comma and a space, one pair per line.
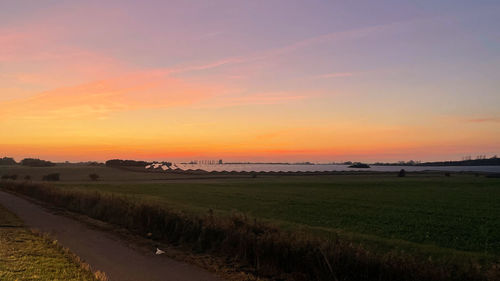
209, 65
33, 41
34, 57
142, 90
401, 26
484, 120
252, 99
44, 50
335, 75
265, 99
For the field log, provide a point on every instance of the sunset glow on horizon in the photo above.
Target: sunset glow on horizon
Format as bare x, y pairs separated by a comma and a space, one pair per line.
317, 81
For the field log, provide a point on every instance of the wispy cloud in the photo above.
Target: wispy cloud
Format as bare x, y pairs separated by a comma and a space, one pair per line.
372, 30
335, 75
484, 120
264, 99
356, 33
210, 65
251, 99
99, 98
35, 59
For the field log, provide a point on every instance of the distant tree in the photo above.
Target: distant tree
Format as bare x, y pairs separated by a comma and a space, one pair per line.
126, 163
94, 177
32, 162
51, 177
470, 162
359, 165
7, 161
402, 173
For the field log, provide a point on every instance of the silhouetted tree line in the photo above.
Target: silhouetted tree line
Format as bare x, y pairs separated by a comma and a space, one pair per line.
7, 161
31, 162
127, 163
480, 161
494, 161
399, 163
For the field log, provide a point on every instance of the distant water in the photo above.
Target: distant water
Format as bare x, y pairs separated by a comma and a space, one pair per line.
325, 167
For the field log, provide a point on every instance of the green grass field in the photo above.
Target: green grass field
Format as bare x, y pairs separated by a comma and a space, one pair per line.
429, 214
27, 256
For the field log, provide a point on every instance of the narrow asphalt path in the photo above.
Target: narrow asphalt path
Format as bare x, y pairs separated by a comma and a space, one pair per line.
102, 250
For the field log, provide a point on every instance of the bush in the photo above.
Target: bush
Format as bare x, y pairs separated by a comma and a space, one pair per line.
9, 177
51, 177
125, 163
31, 162
94, 177
7, 161
402, 173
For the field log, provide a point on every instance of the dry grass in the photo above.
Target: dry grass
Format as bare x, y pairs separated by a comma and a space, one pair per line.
261, 249
99, 275
30, 255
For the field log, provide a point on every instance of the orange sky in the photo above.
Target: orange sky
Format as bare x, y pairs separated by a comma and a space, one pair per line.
300, 84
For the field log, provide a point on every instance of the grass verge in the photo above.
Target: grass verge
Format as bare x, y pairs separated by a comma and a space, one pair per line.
28, 255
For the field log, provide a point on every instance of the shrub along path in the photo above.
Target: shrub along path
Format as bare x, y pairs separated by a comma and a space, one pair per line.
103, 251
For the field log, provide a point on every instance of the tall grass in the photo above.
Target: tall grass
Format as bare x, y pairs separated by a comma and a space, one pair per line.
262, 248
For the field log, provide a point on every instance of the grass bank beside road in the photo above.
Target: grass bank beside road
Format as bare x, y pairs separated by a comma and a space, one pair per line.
25, 255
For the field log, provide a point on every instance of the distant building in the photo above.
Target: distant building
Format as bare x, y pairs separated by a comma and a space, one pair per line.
220, 162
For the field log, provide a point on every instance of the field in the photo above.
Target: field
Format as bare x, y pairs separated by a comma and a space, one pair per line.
454, 218
433, 213
427, 212
28, 256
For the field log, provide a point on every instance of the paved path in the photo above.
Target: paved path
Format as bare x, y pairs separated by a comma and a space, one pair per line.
102, 250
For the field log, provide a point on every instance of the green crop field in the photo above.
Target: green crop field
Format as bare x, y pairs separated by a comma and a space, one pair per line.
27, 256
427, 213
424, 213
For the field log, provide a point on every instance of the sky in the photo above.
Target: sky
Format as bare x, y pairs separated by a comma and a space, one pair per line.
269, 80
